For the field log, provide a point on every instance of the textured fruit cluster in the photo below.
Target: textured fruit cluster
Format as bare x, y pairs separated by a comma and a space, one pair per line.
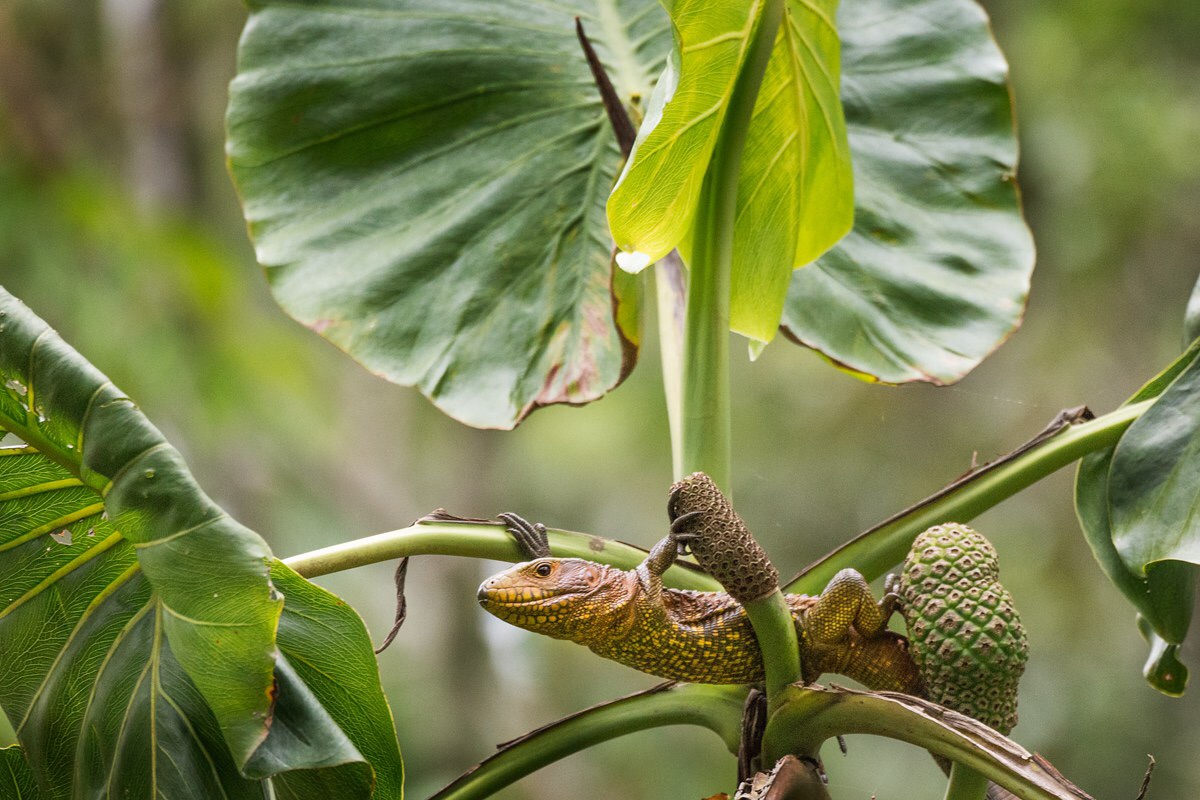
965, 634
720, 540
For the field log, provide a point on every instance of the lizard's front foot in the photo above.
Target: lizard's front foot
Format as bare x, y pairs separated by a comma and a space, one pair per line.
531, 537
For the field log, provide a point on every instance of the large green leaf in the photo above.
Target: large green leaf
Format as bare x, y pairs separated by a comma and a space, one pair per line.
794, 193
935, 273
1154, 482
138, 620
653, 205
425, 184
16, 779
1112, 493
329, 650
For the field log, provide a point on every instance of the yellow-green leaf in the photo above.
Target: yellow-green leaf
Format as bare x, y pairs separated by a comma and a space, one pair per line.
653, 205
795, 192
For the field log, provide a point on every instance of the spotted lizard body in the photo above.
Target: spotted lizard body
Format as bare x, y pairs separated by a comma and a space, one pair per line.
628, 616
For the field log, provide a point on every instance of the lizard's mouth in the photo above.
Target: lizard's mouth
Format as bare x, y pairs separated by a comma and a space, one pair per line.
518, 596
506, 600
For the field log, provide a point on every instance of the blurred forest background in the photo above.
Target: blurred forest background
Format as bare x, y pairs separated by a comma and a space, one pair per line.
119, 225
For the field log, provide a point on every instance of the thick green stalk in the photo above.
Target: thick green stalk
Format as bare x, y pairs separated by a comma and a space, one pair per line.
705, 398
965, 784
781, 651
718, 708
479, 540
875, 552
705, 416
810, 715
670, 287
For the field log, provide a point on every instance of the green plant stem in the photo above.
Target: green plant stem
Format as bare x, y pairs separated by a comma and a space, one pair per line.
875, 552
810, 715
718, 708
893, 539
776, 634
705, 417
477, 540
670, 288
965, 784
705, 428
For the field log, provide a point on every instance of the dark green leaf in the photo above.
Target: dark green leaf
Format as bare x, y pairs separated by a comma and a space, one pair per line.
137, 619
934, 275
1154, 481
1162, 591
16, 779
425, 184
331, 654
1163, 596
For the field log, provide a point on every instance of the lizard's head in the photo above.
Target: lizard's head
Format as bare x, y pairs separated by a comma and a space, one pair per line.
554, 596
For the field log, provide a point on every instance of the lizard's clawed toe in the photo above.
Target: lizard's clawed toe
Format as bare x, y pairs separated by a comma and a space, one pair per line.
531, 538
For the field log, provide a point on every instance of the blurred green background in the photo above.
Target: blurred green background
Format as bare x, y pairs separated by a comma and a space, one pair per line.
120, 227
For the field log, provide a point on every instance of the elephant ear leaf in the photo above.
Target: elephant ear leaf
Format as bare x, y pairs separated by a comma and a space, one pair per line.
16, 777
935, 272
137, 619
1138, 505
425, 182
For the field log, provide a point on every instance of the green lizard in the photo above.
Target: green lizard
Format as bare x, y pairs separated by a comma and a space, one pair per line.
699, 637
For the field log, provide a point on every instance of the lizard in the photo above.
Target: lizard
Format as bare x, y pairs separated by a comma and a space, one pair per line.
967, 653
629, 616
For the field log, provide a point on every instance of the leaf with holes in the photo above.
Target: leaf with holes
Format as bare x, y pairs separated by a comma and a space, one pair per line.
935, 273
425, 184
138, 620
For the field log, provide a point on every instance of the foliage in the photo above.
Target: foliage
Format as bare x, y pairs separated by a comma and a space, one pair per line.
930, 280
144, 618
420, 303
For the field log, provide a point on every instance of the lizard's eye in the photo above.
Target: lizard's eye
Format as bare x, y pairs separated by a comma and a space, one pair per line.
542, 570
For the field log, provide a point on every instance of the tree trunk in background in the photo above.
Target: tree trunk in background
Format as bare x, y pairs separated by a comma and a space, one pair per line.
146, 93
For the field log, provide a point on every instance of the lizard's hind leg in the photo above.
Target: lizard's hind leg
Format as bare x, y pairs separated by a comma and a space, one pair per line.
845, 631
848, 602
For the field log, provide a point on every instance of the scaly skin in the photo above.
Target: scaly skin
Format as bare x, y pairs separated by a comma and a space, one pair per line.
699, 637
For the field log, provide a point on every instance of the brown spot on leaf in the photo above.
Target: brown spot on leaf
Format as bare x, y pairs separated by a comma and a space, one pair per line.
320, 326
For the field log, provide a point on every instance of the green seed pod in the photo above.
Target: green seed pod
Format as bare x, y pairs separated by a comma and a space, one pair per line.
965, 634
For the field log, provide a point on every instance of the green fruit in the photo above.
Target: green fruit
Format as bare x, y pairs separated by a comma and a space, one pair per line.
965, 634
